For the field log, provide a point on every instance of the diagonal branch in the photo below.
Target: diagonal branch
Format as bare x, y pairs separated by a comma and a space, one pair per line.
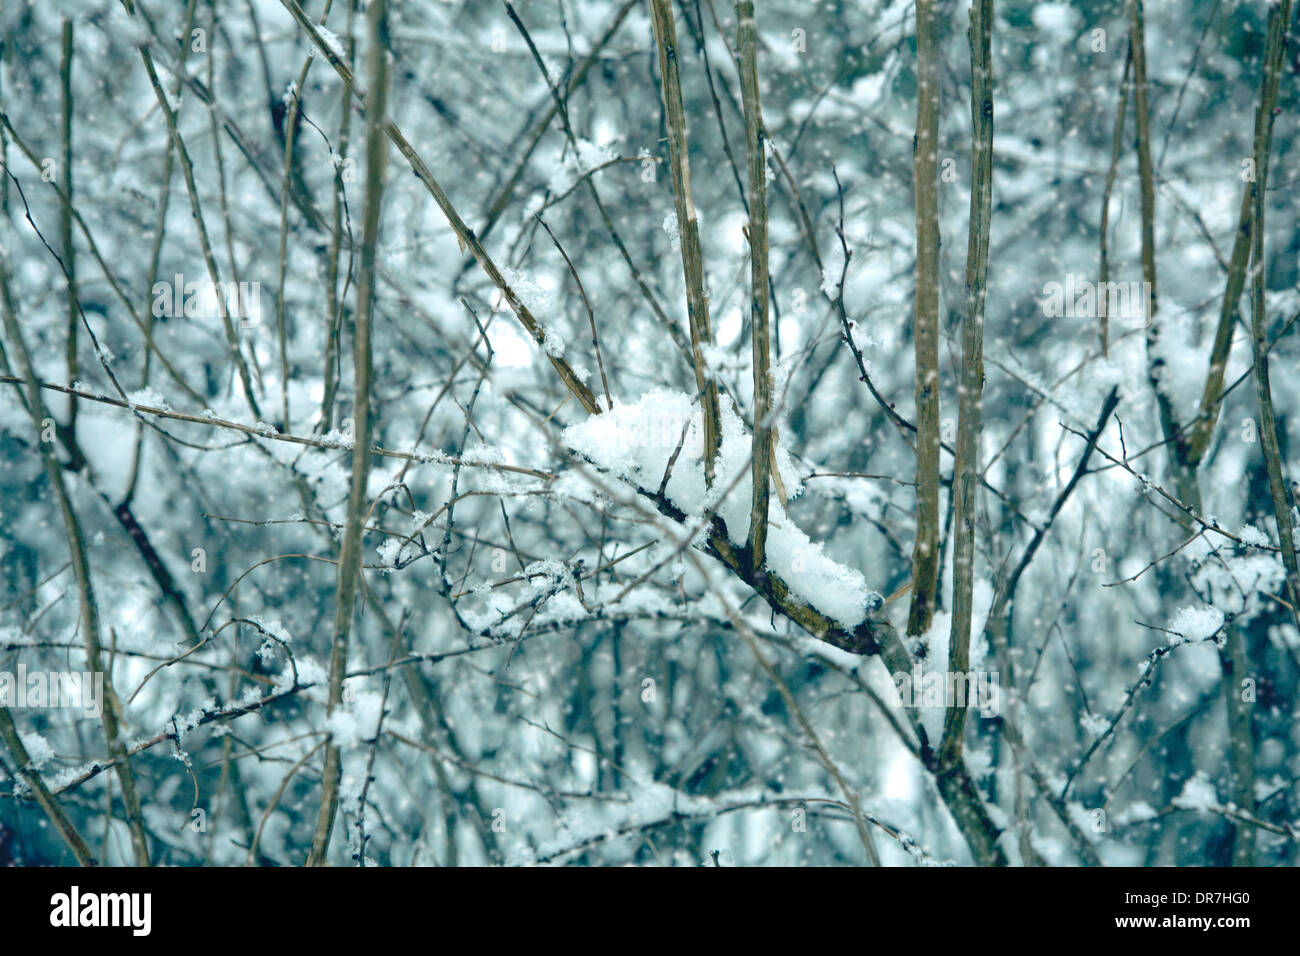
464, 234
64, 826
89, 610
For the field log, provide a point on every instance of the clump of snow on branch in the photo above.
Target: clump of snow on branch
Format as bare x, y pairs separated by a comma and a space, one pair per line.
636, 441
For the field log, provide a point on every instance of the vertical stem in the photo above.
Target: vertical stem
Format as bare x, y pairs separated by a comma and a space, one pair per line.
291, 166
1116, 146
1234, 657
688, 227
350, 551
4, 141
966, 468
1279, 17
925, 144
160, 232
334, 296
1241, 741
65, 220
1142, 119
1185, 483
1212, 397
755, 150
